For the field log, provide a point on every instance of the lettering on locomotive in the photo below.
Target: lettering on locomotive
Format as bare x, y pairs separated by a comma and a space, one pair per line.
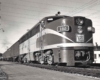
63, 28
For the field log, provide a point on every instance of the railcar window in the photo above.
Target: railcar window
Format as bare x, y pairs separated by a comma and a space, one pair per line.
23, 38
35, 30
95, 56
52, 19
99, 55
27, 35
30, 34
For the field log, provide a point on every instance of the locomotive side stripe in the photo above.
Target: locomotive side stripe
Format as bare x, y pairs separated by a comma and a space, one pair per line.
89, 39
57, 33
67, 45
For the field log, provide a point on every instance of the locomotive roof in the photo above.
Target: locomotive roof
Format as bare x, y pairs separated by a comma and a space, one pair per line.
56, 16
44, 19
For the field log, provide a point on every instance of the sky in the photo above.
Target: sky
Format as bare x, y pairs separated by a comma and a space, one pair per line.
19, 15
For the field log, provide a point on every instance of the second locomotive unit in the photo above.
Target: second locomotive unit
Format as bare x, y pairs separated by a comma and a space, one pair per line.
59, 39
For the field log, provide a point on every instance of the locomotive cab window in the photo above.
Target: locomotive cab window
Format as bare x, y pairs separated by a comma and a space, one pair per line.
42, 24
95, 56
99, 55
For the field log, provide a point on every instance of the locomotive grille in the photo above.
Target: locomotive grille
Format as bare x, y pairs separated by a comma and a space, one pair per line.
82, 55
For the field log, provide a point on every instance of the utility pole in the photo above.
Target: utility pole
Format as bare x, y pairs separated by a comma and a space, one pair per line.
41, 36
0, 13
0, 19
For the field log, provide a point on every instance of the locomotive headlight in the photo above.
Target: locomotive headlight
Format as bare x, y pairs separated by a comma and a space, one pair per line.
79, 21
91, 29
79, 30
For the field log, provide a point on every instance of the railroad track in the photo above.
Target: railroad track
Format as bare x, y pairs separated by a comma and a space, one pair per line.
95, 66
94, 72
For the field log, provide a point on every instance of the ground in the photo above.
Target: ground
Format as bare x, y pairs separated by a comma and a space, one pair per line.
17, 71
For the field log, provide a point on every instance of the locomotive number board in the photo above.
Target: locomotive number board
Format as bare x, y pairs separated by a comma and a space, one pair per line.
63, 28
79, 38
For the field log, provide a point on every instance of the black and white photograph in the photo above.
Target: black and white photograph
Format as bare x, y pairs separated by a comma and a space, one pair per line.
49, 39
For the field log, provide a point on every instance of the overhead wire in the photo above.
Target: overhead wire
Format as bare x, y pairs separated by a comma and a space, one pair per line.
17, 13
35, 9
17, 21
12, 15
84, 7
28, 6
60, 6
76, 10
45, 3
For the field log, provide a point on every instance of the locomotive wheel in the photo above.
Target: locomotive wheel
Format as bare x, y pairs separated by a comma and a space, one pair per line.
25, 60
50, 59
36, 56
41, 59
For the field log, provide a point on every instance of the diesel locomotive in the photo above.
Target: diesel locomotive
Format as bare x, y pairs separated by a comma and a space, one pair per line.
57, 39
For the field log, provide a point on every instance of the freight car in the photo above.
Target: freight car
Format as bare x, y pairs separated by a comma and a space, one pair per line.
58, 39
12, 54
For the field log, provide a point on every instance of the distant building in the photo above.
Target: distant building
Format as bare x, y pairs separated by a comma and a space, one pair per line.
96, 54
1, 56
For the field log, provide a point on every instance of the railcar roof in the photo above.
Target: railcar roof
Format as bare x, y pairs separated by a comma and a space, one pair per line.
56, 16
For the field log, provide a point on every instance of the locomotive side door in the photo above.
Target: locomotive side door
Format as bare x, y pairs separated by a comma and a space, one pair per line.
41, 42
39, 55
42, 32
